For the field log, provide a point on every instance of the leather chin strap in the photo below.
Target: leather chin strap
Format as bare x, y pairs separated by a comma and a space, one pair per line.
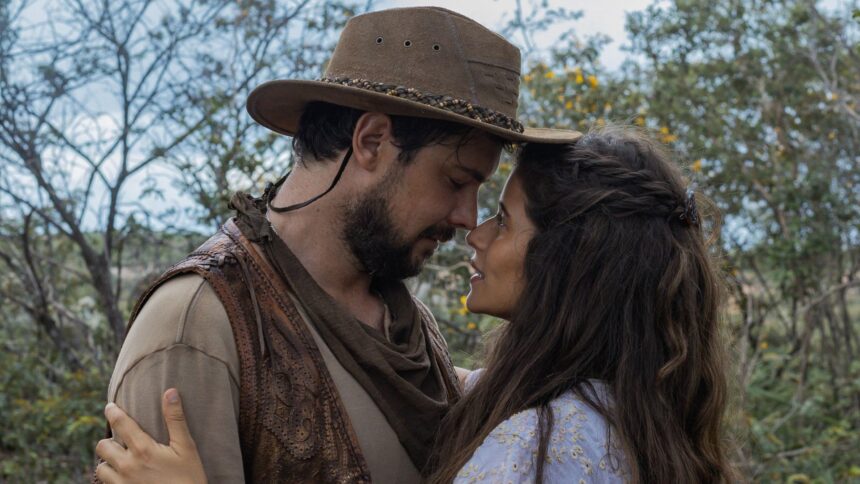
272, 188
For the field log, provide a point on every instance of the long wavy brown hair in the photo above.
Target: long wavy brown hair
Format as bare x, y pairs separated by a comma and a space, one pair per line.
620, 287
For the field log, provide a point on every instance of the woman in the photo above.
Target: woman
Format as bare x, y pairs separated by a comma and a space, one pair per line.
610, 367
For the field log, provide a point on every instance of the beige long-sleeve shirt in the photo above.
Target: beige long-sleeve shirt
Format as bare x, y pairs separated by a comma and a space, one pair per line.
182, 338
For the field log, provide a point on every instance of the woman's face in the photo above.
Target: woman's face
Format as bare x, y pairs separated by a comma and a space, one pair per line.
500, 246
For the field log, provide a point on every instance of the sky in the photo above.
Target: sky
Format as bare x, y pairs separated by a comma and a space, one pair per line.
606, 17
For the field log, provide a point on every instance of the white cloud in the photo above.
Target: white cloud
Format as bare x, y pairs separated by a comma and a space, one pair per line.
605, 18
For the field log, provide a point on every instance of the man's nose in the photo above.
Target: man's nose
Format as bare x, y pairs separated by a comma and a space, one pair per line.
465, 213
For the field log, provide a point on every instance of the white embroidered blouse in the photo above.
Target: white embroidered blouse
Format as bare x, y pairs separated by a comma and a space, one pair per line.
577, 451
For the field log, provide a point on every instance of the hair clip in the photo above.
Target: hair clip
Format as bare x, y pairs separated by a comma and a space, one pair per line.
690, 215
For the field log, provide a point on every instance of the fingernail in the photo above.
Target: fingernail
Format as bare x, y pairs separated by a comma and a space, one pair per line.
172, 396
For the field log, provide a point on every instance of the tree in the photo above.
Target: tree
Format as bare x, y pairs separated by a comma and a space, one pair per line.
760, 96
267, 40
100, 102
759, 100
100, 98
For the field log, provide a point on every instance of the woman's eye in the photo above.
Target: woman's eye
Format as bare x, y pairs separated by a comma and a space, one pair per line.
500, 219
457, 185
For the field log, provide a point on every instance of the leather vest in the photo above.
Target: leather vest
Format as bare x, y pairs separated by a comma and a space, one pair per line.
292, 424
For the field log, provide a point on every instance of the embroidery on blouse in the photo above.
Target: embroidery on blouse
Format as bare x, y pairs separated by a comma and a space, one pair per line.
577, 450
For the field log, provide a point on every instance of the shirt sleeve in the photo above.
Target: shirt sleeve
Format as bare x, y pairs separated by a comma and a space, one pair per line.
472, 379
208, 396
182, 339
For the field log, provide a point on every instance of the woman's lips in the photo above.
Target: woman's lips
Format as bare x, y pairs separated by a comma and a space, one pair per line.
477, 275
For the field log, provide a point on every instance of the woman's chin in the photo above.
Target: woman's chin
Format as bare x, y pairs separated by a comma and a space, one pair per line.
476, 306
473, 303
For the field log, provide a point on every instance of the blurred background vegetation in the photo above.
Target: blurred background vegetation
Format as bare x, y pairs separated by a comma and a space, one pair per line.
104, 105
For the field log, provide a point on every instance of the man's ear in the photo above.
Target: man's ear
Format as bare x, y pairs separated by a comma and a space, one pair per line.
371, 139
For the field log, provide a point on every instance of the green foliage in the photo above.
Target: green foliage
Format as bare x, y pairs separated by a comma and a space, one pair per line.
759, 99
51, 417
791, 435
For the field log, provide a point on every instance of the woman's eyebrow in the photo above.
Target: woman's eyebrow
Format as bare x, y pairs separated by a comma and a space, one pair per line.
504, 210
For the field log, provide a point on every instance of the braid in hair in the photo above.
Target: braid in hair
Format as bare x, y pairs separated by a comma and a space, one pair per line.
617, 190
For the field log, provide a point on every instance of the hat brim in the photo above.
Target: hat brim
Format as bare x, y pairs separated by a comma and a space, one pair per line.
278, 105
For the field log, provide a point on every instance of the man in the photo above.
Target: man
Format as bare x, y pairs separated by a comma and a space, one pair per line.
299, 352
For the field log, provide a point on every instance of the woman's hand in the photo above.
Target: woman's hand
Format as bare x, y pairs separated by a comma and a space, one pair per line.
145, 460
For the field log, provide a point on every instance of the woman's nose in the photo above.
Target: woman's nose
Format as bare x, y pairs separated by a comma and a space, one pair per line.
477, 237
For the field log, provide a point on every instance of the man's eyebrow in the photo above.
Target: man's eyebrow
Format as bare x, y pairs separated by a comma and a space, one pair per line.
475, 174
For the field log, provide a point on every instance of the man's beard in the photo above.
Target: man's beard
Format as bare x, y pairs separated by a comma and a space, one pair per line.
370, 233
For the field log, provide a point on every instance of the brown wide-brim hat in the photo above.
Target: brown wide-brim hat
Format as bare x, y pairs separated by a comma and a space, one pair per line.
425, 62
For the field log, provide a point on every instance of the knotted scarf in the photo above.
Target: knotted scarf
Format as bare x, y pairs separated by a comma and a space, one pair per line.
400, 374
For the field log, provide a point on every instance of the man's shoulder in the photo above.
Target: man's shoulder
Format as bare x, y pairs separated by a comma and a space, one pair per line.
182, 310
426, 314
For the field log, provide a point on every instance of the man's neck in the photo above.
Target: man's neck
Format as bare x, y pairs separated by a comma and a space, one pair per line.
313, 236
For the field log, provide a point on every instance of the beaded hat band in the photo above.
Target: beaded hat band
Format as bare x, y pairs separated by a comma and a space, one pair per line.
448, 103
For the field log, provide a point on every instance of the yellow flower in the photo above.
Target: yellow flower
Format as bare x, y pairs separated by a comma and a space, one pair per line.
592, 81
471, 326
568, 105
667, 137
640, 121
831, 135
600, 122
549, 75
696, 166
607, 107
528, 78
463, 309
561, 98
763, 345
579, 78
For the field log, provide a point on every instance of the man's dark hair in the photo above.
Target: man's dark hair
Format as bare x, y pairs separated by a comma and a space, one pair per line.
324, 129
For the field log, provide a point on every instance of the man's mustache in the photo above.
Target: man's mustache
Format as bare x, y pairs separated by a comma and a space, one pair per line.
442, 233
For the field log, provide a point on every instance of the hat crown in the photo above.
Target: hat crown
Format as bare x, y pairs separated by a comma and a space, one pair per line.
433, 50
